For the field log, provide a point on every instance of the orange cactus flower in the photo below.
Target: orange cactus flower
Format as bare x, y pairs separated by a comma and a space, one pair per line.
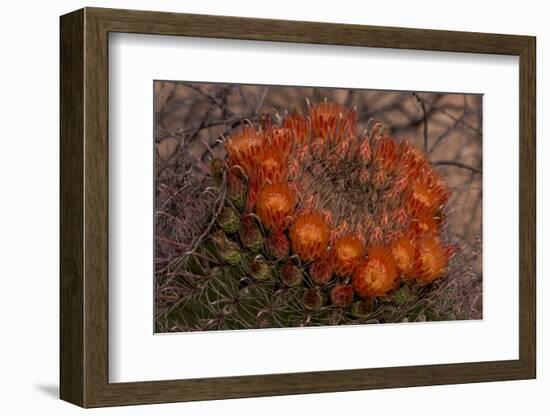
281, 139
252, 195
426, 194
271, 166
275, 206
420, 198
299, 124
403, 250
386, 155
244, 147
431, 260
331, 121
377, 275
309, 235
439, 187
424, 224
437, 184
346, 254
413, 160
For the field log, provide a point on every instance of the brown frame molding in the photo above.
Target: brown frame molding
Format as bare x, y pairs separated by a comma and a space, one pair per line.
84, 207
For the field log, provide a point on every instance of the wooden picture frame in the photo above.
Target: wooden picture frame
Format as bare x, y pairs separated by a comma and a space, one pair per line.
84, 207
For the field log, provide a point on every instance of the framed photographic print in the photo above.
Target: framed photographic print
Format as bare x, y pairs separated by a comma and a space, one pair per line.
258, 207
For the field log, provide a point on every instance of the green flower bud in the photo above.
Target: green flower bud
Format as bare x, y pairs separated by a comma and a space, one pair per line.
231, 254
227, 249
235, 190
251, 236
228, 220
363, 308
260, 269
220, 239
403, 295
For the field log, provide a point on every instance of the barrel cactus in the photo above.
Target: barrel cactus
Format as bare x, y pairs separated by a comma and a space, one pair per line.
312, 224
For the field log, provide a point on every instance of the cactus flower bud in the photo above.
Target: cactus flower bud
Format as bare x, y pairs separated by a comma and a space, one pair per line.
227, 249
320, 271
362, 308
260, 269
291, 275
313, 299
231, 254
235, 189
228, 220
251, 236
342, 295
278, 244
403, 295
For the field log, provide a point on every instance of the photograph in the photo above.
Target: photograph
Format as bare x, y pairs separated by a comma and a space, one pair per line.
290, 206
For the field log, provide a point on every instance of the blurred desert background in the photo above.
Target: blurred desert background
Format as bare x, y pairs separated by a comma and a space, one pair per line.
190, 118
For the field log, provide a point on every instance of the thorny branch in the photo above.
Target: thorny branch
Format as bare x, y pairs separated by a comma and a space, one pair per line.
456, 164
424, 119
